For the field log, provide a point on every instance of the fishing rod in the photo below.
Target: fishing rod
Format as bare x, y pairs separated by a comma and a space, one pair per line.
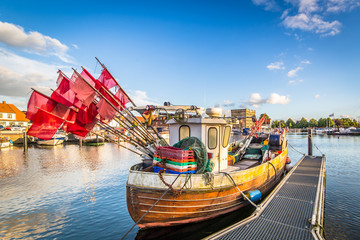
118, 144
162, 140
138, 146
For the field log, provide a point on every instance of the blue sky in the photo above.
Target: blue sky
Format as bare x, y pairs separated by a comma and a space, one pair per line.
286, 58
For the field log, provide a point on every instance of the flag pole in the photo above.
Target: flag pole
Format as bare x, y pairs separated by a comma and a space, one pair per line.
140, 133
162, 140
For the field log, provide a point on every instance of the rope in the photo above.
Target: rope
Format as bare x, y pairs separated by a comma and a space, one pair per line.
296, 150
174, 191
150, 208
244, 196
318, 149
274, 169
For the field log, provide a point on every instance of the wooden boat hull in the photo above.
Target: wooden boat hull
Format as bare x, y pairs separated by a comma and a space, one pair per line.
4, 144
198, 201
51, 142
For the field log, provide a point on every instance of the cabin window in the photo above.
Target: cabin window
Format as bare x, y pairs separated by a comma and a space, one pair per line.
184, 132
212, 137
227, 131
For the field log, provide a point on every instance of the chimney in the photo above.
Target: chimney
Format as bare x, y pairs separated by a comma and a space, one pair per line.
4, 102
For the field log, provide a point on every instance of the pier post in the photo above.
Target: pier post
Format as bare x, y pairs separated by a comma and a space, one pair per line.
80, 142
310, 145
25, 141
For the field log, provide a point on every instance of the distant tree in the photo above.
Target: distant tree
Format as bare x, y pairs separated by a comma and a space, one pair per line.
355, 123
347, 122
275, 124
282, 124
330, 122
338, 122
290, 123
313, 123
266, 116
303, 123
322, 122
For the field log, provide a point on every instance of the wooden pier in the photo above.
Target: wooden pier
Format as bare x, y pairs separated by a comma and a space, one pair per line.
293, 210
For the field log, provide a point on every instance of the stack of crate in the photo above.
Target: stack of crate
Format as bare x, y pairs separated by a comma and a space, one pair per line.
174, 160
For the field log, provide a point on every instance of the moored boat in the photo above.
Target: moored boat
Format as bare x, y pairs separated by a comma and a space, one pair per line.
4, 142
94, 140
56, 140
159, 195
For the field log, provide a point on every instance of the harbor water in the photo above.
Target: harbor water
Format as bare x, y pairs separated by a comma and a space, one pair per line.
68, 192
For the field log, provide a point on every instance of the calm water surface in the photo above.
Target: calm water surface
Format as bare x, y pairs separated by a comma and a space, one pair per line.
66, 192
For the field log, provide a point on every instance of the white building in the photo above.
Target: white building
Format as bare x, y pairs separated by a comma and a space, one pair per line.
11, 115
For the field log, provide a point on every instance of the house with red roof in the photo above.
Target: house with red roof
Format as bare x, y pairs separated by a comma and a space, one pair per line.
11, 115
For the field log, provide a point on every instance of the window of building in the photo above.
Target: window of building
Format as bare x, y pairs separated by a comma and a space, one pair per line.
9, 115
227, 131
1, 115
184, 132
212, 137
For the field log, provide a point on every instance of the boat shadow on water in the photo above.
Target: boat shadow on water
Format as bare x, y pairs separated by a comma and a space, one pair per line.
198, 230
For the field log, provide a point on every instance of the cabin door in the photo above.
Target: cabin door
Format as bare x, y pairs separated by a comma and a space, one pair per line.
213, 145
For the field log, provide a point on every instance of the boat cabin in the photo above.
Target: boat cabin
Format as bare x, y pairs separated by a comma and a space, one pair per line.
214, 132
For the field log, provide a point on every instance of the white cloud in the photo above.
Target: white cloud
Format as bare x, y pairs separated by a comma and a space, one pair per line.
75, 46
305, 62
19, 74
341, 5
256, 100
293, 72
276, 65
140, 98
312, 15
292, 82
345, 116
33, 42
277, 99
308, 6
268, 4
312, 23
317, 96
228, 103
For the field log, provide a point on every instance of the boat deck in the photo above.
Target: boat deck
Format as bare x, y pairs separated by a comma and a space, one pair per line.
293, 210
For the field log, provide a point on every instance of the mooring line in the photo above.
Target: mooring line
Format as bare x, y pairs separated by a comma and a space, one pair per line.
167, 190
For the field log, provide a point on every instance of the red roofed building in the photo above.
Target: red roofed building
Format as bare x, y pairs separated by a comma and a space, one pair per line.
11, 115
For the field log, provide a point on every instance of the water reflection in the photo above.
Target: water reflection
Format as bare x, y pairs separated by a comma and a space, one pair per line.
70, 192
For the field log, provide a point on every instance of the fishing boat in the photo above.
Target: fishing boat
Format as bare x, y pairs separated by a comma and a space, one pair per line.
4, 142
248, 168
197, 176
55, 140
94, 140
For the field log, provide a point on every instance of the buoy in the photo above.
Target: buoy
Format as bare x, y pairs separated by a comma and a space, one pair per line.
255, 195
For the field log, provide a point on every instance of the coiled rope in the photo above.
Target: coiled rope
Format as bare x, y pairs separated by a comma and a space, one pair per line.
167, 190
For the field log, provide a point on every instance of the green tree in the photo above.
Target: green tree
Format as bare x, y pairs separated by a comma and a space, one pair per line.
303, 123
275, 124
313, 123
290, 123
330, 122
266, 116
282, 124
322, 122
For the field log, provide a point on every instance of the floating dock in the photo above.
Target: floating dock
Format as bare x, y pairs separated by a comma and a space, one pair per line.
293, 210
